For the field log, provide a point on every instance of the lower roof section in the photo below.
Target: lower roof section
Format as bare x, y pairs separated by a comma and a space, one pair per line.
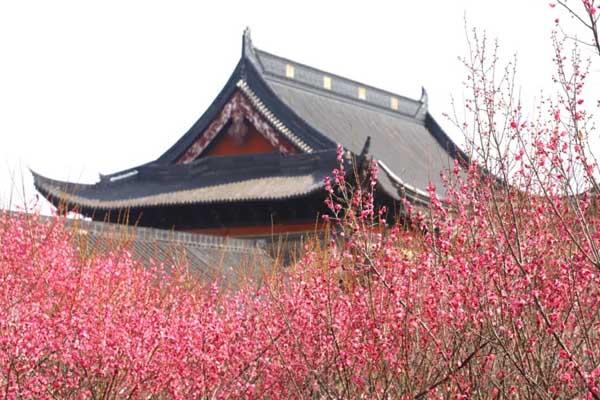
208, 256
255, 177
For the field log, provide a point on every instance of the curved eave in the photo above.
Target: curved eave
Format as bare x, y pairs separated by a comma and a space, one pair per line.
265, 177
55, 191
387, 179
445, 141
259, 189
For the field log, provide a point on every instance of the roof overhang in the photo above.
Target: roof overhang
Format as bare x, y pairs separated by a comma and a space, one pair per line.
205, 181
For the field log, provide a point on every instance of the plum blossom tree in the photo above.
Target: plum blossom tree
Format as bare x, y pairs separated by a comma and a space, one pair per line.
586, 13
493, 291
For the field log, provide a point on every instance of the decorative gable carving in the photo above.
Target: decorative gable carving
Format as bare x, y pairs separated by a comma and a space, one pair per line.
240, 112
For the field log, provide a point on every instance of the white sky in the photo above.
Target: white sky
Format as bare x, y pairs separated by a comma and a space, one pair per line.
96, 87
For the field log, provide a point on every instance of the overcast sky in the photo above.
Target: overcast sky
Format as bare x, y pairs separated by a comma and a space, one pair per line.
96, 87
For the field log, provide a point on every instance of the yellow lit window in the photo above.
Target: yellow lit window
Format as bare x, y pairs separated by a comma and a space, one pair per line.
394, 103
327, 82
289, 71
362, 93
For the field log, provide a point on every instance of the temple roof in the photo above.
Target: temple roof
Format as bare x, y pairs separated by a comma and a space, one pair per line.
312, 109
206, 180
319, 109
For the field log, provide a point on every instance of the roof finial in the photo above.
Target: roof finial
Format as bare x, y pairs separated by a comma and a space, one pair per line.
424, 97
364, 162
365, 152
422, 110
246, 41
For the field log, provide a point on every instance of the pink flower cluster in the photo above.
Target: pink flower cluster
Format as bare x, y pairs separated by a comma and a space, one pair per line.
491, 291
453, 307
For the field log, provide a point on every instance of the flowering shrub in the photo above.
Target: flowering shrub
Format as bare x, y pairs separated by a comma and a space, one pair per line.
491, 292
445, 310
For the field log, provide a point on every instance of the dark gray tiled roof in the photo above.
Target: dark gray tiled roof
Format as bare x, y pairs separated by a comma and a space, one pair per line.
208, 256
410, 146
404, 144
204, 181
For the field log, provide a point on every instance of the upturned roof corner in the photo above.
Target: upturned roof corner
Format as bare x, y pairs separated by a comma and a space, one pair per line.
248, 53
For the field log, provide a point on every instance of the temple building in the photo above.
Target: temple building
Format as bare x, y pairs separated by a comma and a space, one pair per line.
254, 164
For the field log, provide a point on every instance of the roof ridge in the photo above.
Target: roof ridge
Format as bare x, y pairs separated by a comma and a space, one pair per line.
308, 76
345, 98
334, 75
